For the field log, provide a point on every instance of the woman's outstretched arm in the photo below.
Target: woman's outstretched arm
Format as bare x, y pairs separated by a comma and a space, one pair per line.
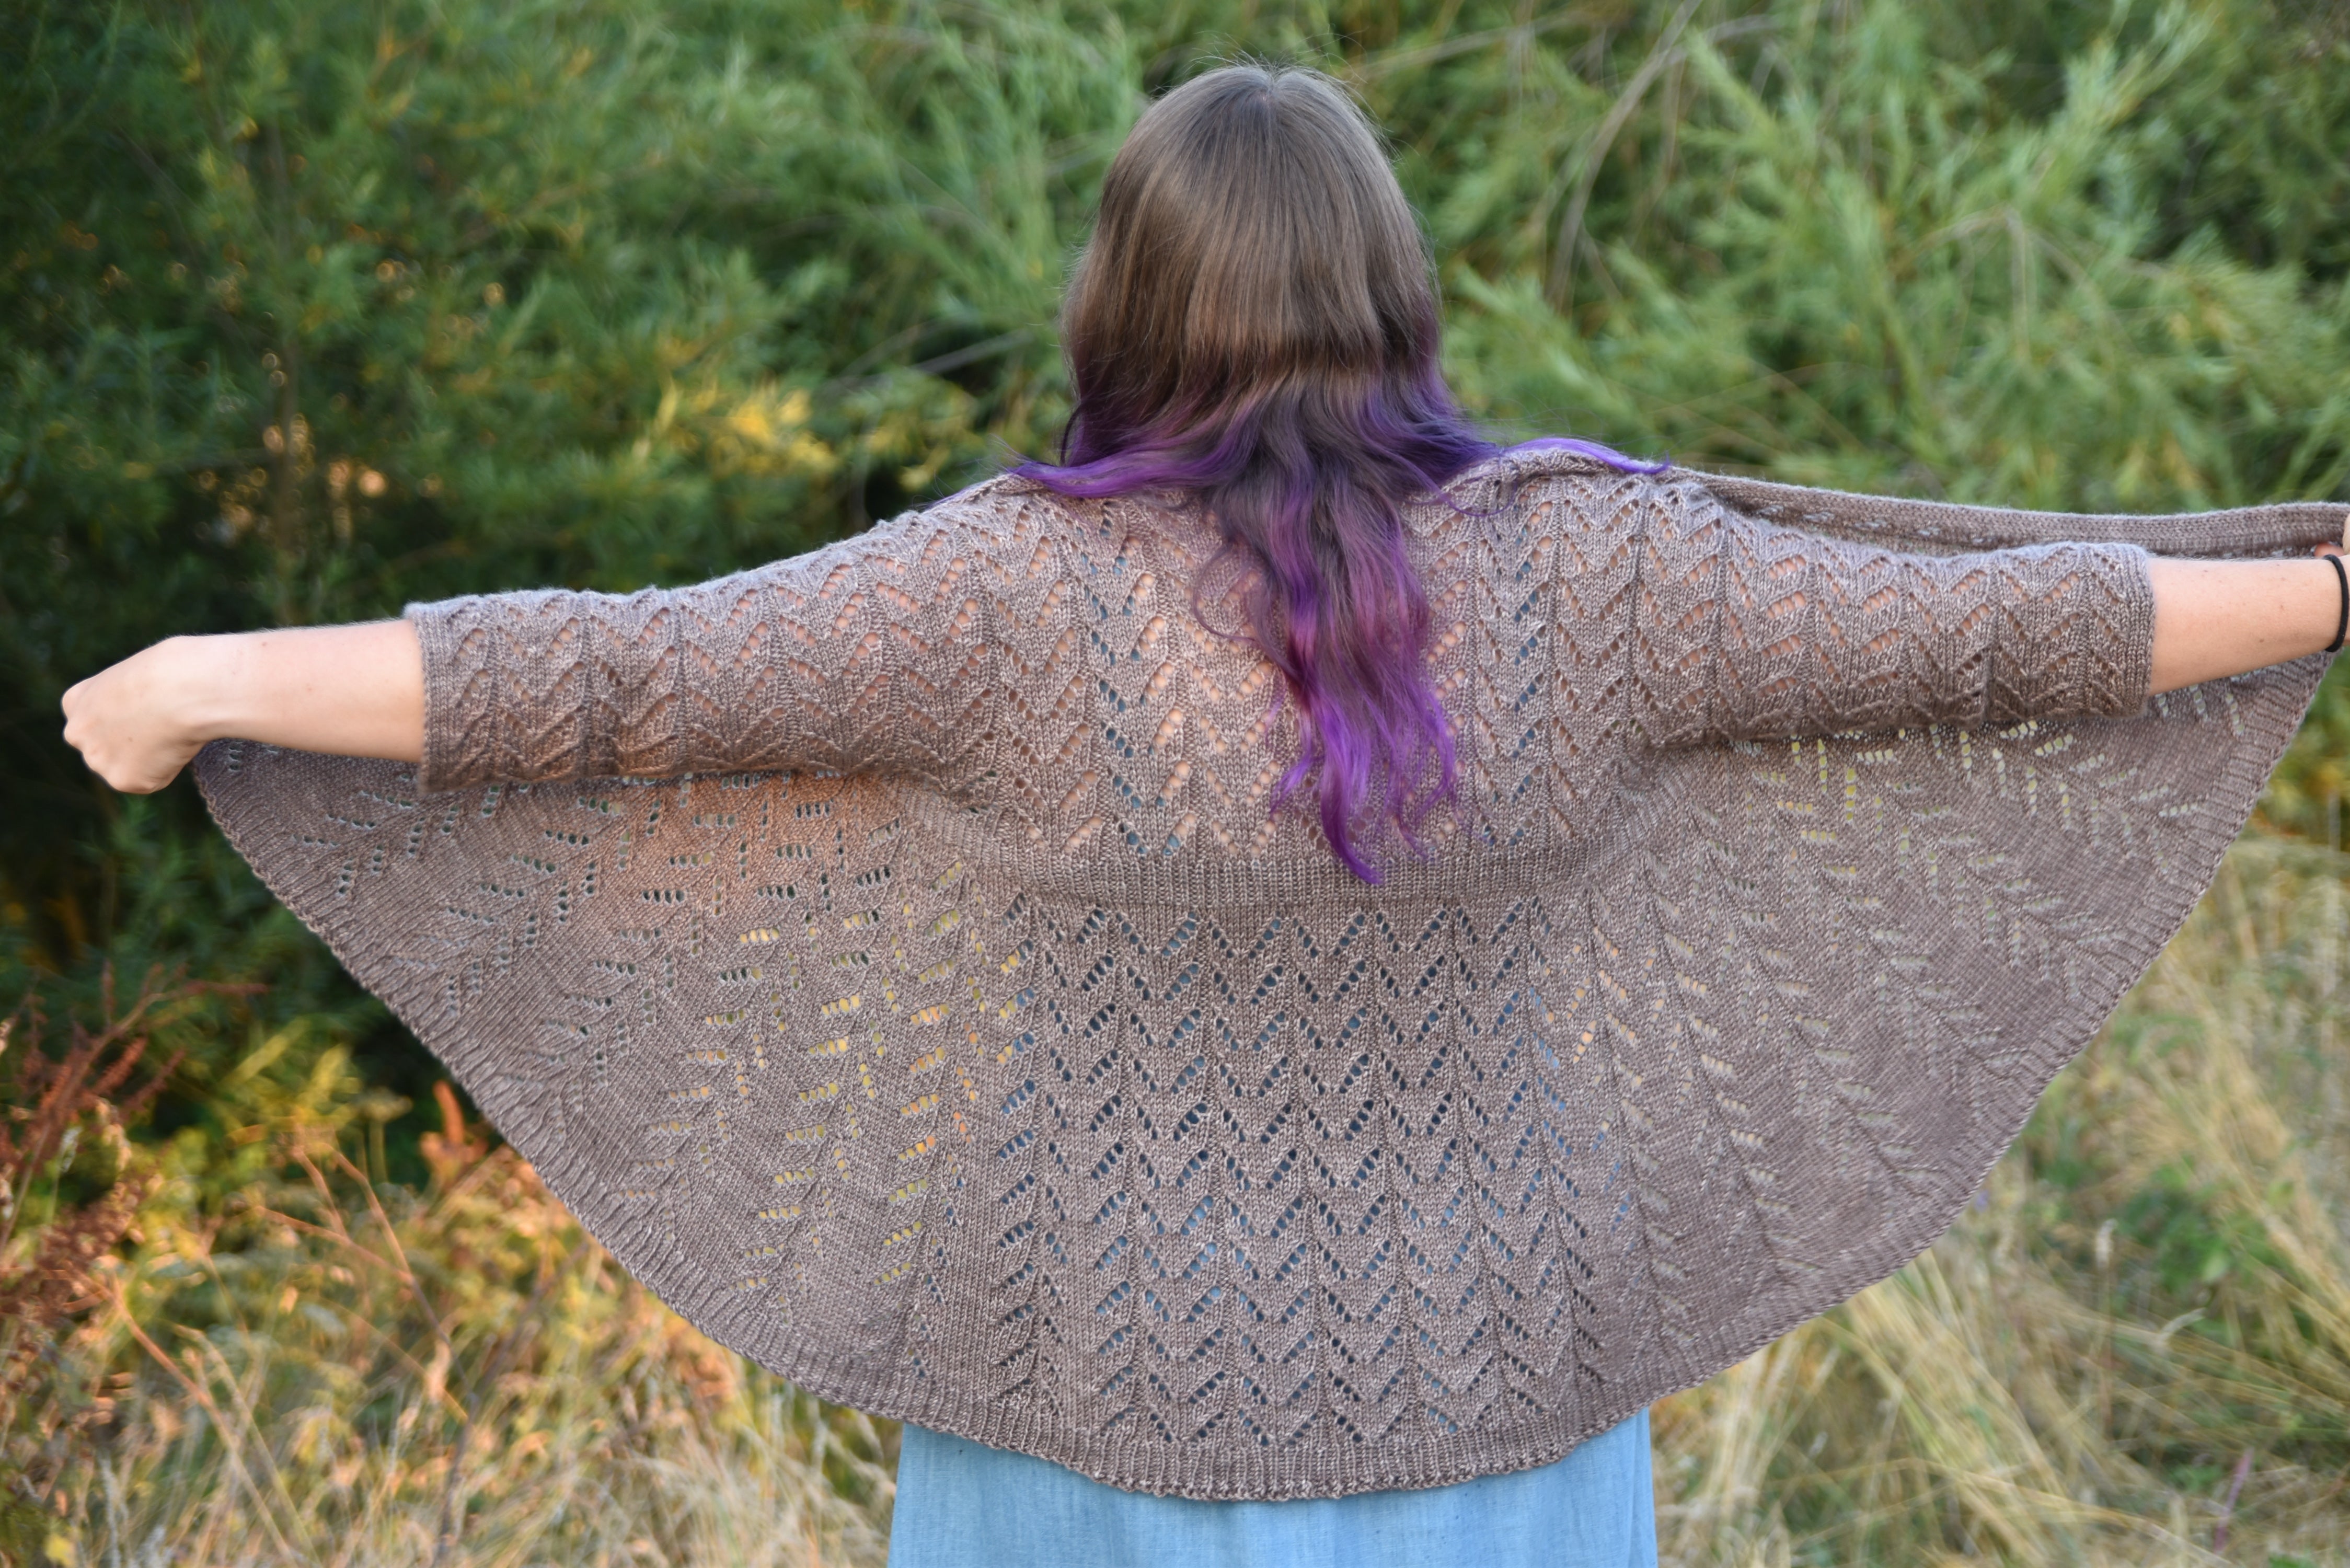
354, 691
876, 654
1745, 628
359, 691
2217, 618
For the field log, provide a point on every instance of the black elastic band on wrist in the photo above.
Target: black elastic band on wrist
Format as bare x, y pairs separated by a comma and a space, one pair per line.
2341, 626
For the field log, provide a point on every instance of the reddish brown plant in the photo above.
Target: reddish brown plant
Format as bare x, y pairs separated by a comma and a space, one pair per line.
61, 1108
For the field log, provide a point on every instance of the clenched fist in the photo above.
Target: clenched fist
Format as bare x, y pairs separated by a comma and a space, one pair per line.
138, 723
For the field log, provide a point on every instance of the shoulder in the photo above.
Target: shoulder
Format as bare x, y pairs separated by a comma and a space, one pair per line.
997, 514
1561, 487
1007, 514
1020, 519
1008, 540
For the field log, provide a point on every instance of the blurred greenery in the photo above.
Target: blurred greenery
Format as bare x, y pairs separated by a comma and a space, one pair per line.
307, 310
310, 310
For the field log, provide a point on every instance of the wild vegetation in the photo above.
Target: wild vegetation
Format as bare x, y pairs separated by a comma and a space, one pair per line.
309, 310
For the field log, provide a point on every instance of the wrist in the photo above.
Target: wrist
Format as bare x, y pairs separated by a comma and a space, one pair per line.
201, 687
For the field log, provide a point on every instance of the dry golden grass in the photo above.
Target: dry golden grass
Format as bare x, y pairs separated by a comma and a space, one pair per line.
372, 1377
2136, 1349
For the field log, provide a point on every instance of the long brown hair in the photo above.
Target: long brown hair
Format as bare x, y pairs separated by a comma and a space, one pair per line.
1251, 234
1254, 321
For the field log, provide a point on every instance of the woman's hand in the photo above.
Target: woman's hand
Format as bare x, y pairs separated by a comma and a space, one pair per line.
355, 690
136, 723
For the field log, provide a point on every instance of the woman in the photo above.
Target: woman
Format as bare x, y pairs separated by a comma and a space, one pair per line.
1294, 965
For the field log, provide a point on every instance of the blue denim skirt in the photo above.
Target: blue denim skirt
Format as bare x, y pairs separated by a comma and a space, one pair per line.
963, 1505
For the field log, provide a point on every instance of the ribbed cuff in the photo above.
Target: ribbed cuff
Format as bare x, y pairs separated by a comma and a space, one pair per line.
456, 671
2132, 655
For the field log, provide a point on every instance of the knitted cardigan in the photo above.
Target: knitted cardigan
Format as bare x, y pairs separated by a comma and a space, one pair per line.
891, 955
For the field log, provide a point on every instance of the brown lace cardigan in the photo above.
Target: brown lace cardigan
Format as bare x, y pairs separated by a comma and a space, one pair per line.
888, 953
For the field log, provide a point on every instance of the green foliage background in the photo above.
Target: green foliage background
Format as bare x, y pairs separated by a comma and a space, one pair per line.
310, 309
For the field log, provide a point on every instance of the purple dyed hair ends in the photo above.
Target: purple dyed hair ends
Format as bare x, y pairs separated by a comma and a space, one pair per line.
1253, 323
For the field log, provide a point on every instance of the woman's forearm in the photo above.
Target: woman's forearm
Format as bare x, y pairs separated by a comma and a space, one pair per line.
355, 690
2216, 618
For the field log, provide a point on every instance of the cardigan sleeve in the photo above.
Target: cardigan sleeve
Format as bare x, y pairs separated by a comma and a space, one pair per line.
870, 655
1745, 629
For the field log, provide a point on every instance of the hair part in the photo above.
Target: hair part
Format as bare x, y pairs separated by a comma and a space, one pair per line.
1254, 322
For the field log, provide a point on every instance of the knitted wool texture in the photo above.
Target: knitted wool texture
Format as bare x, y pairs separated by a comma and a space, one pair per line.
890, 955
